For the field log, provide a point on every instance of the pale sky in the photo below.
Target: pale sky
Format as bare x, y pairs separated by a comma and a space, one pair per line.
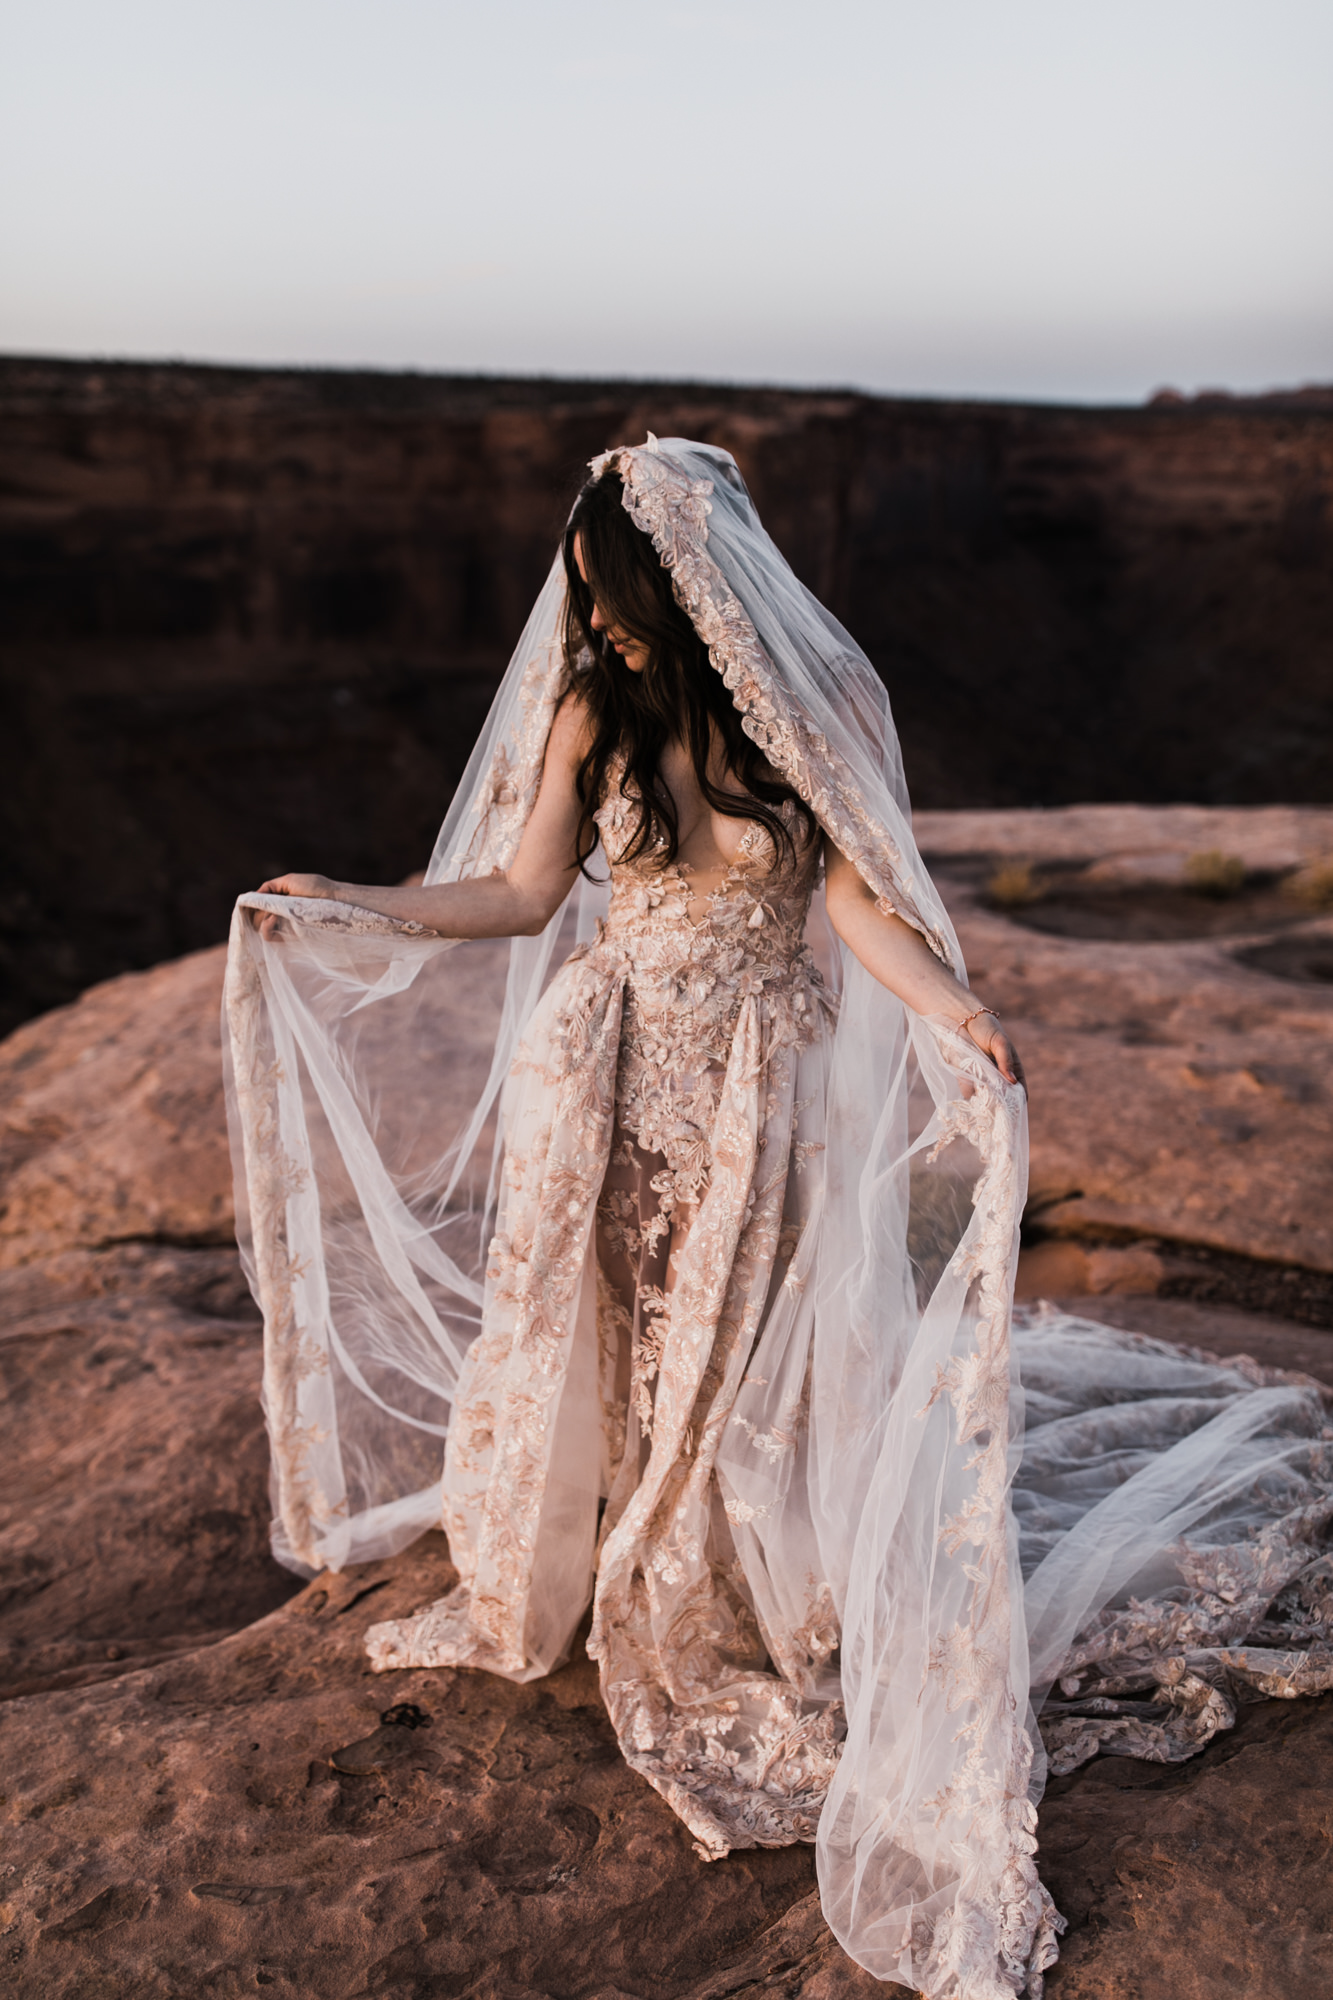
1079, 199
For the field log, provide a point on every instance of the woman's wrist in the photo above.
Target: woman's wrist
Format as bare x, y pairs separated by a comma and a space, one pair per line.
976, 1013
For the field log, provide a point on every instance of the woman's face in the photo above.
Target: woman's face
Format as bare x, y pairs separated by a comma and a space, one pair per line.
631, 651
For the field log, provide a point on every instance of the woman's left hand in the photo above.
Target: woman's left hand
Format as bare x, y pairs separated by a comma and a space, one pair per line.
299, 885
988, 1034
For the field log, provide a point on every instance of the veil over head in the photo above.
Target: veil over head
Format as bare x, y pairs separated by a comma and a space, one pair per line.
870, 1446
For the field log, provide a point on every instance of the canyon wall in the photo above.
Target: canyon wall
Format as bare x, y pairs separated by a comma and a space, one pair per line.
251, 619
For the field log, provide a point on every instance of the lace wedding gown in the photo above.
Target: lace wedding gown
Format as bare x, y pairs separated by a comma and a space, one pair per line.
652, 1125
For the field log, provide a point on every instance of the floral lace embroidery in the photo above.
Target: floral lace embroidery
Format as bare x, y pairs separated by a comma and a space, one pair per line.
717, 1108
1002, 1913
652, 1104
1159, 1677
993, 1817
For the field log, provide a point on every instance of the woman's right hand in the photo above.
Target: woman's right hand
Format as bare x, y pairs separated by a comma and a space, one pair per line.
266, 922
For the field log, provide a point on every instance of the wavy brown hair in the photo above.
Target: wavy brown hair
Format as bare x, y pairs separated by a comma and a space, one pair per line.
679, 695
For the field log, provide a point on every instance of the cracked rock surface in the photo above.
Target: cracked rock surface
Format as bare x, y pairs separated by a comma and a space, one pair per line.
181, 1831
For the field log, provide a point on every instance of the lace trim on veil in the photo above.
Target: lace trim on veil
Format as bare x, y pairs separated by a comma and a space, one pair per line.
504, 803
1002, 1921
1002, 1910
673, 509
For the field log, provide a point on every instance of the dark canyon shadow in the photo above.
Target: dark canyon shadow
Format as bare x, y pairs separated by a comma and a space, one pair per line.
252, 619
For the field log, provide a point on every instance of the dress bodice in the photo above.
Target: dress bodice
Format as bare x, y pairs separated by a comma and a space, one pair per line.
691, 960
753, 917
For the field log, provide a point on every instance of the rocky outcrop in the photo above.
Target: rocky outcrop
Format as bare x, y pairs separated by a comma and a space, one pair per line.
1180, 1086
500, 1847
113, 1127
1199, 1881
251, 619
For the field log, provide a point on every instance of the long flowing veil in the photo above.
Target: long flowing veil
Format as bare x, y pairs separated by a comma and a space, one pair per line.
870, 1447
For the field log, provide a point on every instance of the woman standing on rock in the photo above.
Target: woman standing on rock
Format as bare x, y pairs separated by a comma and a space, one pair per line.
715, 1310
700, 1258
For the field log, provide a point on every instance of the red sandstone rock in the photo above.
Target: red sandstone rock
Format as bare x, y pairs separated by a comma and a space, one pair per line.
1176, 1092
508, 1850
113, 1120
133, 1484
173, 1825
177, 1827
1201, 1881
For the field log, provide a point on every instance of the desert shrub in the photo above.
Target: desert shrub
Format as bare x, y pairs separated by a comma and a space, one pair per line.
1013, 884
1213, 873
1312, 884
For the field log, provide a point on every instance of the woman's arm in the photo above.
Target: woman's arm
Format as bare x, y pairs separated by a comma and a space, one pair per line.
518, 901
899, 957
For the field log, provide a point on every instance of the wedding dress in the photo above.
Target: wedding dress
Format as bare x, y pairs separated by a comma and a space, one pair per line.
653, 1123
692, 1264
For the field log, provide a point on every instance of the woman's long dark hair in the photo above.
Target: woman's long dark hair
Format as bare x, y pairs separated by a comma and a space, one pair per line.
679, 695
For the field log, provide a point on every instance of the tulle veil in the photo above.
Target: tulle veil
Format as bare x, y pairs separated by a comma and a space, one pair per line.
365, 1059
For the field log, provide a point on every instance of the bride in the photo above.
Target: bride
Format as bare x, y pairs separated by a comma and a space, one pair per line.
694, 1261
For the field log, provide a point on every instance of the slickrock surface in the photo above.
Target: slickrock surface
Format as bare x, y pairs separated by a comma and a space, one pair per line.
1202, 1881
113, 1127
133, 1483
189, 1836
172, 1824
1179, 1093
